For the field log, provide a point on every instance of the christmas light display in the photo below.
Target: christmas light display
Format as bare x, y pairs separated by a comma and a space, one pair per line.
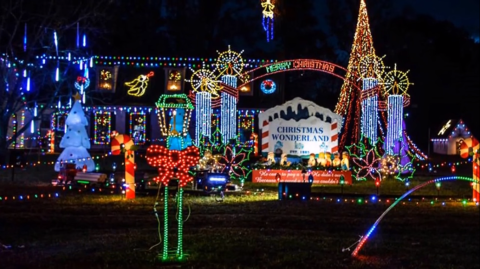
396, 85
367, 159
139, 85
204, 80
75, 142
268, 18
228, 120
173, 164
229, 65
348, 104
473, 150
246, 128
166, 104
236, 163
371, 68
102, 127
268, 86
138, 127
364, 238
124, 144
203, 115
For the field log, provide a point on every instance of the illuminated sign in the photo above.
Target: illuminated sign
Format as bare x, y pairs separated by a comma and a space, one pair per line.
445, 127
301, 64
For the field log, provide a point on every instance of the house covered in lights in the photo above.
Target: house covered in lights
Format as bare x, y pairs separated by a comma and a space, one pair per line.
450, 136
121, 96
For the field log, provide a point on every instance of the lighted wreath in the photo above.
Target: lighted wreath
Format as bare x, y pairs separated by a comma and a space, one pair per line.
173, 164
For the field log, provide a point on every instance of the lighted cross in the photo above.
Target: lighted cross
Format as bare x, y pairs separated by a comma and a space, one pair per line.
268, 9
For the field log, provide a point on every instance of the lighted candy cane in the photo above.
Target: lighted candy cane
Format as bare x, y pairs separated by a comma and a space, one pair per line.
465, 153
123, 143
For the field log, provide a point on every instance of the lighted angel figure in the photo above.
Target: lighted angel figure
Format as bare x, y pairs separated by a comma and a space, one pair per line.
139, 85
367, 167
312, 161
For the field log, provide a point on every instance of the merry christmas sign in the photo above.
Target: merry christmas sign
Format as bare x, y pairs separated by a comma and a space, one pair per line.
299, 127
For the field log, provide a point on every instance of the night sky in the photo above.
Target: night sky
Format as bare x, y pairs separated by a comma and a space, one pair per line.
463, 13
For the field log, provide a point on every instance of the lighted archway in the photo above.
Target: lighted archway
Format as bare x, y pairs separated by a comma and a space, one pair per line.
296, 65
370, 231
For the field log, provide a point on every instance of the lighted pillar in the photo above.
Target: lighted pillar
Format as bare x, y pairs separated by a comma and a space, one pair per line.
395, 126
370, 110
203, 116
228, 120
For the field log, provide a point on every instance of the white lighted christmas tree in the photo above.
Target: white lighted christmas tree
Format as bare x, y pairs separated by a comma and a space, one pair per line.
75, 142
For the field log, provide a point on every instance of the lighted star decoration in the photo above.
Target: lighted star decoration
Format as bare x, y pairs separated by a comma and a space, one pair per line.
268, 18
235, 163
204, 80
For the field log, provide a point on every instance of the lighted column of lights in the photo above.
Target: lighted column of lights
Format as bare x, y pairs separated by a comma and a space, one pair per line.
370, 111
203, 121
395, 117
228, 120
230, 80
103, 119
142, 123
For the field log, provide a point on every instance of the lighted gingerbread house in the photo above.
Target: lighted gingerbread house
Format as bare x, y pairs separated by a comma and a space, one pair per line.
449, 137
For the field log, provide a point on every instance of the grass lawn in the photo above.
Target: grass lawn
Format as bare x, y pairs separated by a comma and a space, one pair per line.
247, 231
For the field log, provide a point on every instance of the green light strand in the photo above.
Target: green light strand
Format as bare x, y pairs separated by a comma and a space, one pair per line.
165, 225
180, 224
